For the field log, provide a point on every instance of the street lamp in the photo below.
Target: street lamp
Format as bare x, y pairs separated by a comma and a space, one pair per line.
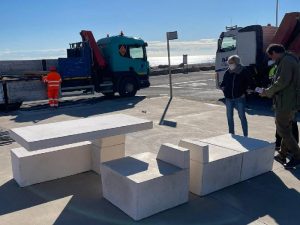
170, 36
277, 7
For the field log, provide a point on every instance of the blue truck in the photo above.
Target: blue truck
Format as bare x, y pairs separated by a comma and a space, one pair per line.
116, 64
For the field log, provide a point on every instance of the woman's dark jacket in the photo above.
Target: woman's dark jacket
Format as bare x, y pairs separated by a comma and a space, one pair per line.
234, 84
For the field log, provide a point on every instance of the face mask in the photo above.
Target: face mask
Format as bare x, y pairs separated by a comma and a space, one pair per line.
232, 67
271, 62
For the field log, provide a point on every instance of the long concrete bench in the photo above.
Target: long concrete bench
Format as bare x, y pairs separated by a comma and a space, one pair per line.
145, 184
56, 150
225, 160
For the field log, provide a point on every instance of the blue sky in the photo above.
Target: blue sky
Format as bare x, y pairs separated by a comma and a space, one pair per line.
41, 28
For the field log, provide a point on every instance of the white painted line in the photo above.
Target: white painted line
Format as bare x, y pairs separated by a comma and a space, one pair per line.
187, 82
214, 105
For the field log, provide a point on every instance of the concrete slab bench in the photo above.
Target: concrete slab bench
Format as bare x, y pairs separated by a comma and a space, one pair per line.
225, 160
70, 147
145, 184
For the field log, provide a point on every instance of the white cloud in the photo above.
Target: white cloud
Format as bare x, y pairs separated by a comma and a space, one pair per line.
200, 47
32, 54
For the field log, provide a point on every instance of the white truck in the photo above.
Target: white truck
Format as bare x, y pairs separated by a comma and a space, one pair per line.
251, 42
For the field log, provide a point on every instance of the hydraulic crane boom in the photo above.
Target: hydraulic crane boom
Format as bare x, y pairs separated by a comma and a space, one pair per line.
98, 57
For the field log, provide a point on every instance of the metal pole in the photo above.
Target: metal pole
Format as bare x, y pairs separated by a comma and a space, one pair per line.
170, 76
277, 7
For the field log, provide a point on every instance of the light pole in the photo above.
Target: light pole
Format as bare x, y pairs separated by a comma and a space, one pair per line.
170, 36
277, 7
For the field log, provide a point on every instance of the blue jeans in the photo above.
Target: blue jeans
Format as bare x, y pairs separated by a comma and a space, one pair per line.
239, 104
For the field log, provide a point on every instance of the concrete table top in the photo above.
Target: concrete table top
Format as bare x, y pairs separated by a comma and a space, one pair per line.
73, 131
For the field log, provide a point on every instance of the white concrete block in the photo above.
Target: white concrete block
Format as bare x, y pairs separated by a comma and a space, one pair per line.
174, 155
104, 154
222, 170
257, 162
49, 164
198, 150
110, 141
258, 155
141, 185
68, 132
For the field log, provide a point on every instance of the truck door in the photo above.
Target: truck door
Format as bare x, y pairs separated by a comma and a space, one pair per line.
137, 54
226, 48
247, 47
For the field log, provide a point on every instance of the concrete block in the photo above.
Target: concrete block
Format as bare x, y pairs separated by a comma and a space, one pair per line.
212, 167
198, 150
49, 164
141, 185
104, 154
222, 170
109, 141
257, 162
258, 155
68, 132
174, 155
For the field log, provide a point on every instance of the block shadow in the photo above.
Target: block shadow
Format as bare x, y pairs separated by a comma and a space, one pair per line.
5, 138
127, 166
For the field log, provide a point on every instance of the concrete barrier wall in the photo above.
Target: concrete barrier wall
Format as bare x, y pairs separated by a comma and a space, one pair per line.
31, 90
18, 67
1, 94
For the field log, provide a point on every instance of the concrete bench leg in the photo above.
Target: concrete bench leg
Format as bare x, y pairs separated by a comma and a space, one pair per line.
107, 149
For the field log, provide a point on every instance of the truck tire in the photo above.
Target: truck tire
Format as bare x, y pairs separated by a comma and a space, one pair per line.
128, 88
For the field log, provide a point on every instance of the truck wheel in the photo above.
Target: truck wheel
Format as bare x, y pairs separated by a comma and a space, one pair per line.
128, 88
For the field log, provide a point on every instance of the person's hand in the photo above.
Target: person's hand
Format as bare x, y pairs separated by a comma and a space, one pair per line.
263, 93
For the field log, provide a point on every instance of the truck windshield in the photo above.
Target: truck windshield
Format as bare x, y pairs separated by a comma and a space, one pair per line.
228, 44
136, 52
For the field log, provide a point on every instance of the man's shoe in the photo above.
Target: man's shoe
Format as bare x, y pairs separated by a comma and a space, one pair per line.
293, 163
280, 159
277, 148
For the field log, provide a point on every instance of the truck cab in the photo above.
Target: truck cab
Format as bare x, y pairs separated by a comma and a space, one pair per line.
126, 59
249, 43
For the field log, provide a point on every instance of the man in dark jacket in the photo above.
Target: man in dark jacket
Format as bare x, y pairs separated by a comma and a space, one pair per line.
234, 85
284, 93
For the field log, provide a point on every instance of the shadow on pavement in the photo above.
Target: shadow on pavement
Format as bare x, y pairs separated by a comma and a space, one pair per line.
240, 204
5, 138
265, 195
72, 108
163, 121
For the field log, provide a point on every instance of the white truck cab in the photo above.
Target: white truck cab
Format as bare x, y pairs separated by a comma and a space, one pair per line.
249, 43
